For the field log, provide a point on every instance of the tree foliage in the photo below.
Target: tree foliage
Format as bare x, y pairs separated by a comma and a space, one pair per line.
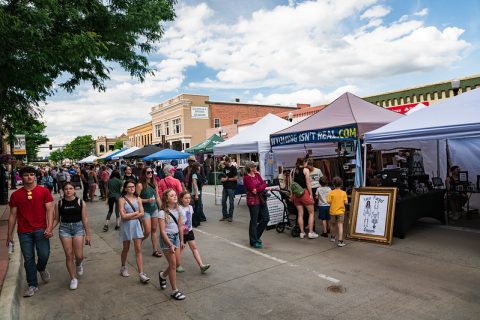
56, 156
71, 41
79, 148
118, 145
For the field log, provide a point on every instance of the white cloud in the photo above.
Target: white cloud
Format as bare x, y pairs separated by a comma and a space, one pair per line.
421, 13
311, 96
376, 12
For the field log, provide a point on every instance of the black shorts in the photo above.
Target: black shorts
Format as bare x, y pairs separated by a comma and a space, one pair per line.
190, 236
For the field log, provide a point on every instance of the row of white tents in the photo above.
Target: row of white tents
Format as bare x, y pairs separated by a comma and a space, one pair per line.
454, 121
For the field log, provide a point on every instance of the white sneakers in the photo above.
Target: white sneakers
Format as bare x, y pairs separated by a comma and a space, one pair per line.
143, 277
124, 272
73, 284
30, 291
312, 235
302, 235
45, 275
80, 269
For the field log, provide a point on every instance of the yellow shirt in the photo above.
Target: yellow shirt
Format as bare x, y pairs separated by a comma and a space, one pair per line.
337, 199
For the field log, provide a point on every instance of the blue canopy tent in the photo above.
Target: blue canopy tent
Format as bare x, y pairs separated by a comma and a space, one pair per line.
109, 157
167, 154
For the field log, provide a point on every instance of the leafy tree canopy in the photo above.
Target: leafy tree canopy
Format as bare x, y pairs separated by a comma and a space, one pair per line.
25, 123
79, 148
72, 41
118, 144
56, 156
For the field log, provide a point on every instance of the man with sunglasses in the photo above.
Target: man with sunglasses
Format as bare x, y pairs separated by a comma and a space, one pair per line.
32, 207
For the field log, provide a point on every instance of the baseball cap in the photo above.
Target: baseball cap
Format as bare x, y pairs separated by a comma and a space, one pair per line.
174, 163
192, 158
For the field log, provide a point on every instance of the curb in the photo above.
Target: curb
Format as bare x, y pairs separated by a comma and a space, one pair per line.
9, 303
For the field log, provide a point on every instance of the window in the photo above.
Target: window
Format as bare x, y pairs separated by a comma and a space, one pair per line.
102, 148
235, 121
166, 127
158, 130
177, 125
216, 123
110, 147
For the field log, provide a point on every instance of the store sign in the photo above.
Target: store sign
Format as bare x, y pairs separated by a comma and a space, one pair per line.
404, 108
20, 145
315, 136
199, 112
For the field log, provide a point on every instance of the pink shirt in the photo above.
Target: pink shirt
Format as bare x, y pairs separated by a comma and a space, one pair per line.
253, 183
169, 183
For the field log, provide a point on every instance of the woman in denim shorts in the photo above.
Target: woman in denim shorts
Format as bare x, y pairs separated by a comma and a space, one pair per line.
148, 191
71, 212
171, 240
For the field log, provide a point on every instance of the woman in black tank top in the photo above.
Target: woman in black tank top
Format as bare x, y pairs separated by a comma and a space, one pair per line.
71, 213
301, 175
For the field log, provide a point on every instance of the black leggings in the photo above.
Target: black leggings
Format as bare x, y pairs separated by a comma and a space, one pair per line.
112, 201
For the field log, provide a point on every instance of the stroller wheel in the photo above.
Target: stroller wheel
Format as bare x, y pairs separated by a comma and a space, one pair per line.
280, 227
295, 231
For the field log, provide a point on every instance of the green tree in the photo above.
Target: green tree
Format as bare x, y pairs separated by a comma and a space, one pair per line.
56, 156
70, 42
79, 148
118, 145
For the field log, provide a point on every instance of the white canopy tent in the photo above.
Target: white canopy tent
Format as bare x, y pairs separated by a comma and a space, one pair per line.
124, 153
255, 139
456, 119
107, 154
89, 159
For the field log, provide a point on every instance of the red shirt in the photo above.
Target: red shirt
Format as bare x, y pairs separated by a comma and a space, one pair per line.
31, 213
169, 183
253, 183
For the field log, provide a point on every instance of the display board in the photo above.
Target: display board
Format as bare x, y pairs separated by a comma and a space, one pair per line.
275, 208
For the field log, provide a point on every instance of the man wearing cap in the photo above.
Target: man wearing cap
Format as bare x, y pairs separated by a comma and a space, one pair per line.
229, 181
178, 174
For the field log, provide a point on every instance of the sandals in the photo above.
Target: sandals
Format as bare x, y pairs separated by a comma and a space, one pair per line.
157, 254
105, 228
177, 295
163, 282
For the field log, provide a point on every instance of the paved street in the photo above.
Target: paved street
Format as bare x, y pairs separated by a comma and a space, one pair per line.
432, 274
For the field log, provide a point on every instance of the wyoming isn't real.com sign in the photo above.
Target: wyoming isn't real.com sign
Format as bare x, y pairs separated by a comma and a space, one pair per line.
315, 136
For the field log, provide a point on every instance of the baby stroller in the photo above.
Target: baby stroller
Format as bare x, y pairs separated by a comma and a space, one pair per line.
290, 213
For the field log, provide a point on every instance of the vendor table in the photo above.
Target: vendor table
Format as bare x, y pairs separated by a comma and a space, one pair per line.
411, 208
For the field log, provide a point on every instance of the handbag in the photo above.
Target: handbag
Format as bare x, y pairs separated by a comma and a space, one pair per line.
297, 189
263, 195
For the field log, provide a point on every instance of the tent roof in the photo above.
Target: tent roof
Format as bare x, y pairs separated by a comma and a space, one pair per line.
457, 117
88, 159
124, 153
107, 154
206, 146
167, 154
348, 109
109, 157
143, 152
255, 138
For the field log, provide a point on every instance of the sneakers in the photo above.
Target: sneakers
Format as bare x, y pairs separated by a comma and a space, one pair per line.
143, 277
204, 268
223, 219
324, 235
332, 239
117, 227
30, 291
229, 219
73, 284
45, 275
80, 269
257, 245
124, 272
312, 235
180, 269
341, 243
302, 235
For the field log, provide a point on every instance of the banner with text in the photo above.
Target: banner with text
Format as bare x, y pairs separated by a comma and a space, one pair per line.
315, 136
20, 145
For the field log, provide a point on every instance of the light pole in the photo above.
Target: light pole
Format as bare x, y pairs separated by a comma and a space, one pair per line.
455, 86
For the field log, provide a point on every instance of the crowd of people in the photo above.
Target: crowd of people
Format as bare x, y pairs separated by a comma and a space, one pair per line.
163, 203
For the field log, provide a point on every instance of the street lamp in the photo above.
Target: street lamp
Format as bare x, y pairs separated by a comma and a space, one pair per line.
455, 86
290, 116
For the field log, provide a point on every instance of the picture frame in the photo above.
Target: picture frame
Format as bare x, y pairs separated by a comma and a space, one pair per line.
463, 176
372, 212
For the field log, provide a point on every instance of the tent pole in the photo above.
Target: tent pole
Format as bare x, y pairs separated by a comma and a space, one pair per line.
215, 178
364, 182
438, 158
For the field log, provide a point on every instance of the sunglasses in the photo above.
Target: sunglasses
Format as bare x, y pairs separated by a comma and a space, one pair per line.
29, 195
127, 187
149, 172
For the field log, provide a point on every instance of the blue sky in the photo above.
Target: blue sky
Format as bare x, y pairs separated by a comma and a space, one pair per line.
283, 52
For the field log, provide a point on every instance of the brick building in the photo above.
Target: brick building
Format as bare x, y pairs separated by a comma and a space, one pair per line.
141, 135
103, 144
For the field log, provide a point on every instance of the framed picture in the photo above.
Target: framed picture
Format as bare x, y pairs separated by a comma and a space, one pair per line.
371, 214
463, 176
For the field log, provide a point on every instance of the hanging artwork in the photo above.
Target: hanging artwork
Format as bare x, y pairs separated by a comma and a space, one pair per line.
372, 214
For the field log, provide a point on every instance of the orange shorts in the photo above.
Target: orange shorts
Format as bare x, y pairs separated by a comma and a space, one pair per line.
304, 200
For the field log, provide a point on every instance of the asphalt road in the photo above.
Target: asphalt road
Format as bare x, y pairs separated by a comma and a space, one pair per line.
434, 273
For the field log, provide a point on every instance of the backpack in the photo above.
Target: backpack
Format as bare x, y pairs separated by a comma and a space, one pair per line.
297, 189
